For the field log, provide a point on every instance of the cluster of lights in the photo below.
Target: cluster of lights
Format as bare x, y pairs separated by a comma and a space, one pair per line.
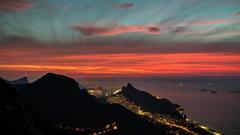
155, 118
119, 99
91, 131
180, 126
95, 92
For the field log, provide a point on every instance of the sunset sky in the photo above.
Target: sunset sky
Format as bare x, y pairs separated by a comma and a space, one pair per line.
117, 38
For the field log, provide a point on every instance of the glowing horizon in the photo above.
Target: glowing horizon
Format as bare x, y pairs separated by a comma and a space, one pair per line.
135, 65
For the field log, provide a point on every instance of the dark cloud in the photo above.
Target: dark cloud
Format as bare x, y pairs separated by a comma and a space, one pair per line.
178, 30
87, 7
237, 13
91, 30
14, 5
154, 29
124, 5
112, 46
22, 42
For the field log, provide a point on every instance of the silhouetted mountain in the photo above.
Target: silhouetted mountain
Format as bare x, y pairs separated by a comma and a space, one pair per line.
82, 86
23, 80
60, 100
150, 103
15, 118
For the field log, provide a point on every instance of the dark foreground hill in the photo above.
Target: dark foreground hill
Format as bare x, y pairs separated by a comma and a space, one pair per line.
15, 117
55, 105
59, 99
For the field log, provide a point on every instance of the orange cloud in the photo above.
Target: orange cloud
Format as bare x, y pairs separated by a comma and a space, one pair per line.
209, 22
115, 29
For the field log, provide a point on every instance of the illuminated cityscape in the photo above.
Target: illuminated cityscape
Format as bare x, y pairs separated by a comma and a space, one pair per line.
182, 126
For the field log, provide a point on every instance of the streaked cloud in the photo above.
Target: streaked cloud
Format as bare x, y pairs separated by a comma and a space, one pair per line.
101, 65
114, 46
178, 29
53, 6
115, 29
209, 22
14, 5
124, 5
237, 13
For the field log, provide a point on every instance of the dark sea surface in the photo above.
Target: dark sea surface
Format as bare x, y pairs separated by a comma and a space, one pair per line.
218, 106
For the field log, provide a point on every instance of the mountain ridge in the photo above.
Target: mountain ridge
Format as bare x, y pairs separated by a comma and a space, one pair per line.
23, 80
150, 103
60, 99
